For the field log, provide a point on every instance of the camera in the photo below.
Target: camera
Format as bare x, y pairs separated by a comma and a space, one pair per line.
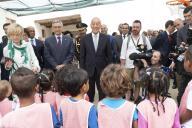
137, 56
142, 48
177, 54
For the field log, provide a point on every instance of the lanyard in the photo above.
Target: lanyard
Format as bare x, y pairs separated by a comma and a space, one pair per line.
134, 41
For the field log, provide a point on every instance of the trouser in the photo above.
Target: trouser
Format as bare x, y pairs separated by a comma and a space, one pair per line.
130, 72
95, 79
4, 73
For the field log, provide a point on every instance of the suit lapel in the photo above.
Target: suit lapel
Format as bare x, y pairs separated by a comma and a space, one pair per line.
91, 43
99, 41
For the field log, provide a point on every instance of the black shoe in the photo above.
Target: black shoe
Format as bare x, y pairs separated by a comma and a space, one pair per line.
174, 86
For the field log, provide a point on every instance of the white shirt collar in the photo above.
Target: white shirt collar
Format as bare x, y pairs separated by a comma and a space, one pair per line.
95, 34
58, 36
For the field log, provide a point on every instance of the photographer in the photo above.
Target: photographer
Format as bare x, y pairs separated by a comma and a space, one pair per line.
184, 38
146, 61
134, 43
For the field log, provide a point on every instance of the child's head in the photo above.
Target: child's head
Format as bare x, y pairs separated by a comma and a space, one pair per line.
115, 81
24, 82
76, 82
156, 83
5, 89
46, 79
72, 80
188, 59
59, 78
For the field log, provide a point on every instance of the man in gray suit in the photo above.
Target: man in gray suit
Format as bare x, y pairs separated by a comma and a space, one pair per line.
59, 49
182, 40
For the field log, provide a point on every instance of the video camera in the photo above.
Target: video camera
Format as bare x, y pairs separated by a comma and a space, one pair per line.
179, 50
138, 56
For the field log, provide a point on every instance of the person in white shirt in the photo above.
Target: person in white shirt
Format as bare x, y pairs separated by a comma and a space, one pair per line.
130, 45
19, 52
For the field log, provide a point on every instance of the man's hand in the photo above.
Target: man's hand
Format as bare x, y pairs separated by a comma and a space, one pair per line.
172, 65
58, 67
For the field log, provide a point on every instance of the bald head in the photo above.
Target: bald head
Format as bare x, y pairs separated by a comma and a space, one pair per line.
104, 29
178, 23
95, 25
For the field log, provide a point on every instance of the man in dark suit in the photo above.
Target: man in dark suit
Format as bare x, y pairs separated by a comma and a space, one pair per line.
182, 36
166, 42
119, 38
4, 72
59, 49
95, 55
38, 46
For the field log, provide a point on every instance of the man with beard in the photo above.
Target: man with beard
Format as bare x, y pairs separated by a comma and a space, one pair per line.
131, 45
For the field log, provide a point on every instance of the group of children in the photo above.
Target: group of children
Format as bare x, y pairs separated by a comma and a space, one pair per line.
69, 107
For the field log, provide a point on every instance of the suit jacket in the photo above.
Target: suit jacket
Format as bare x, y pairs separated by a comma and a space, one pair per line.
39, 52
91, 59
182, 34
165, 46
56, 55
119, 42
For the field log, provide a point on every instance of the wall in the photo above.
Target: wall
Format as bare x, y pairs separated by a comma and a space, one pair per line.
4, 16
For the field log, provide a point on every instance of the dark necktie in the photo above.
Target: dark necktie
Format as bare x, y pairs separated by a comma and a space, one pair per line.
170, 38
123, 36
59, 41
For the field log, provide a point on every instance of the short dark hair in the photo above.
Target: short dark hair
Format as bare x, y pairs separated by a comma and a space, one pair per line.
187, 9
168, 23
137, 21
6, 24
23, 82
59, 78
75, 80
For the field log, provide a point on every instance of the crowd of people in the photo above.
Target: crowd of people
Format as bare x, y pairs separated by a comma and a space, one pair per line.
52, 82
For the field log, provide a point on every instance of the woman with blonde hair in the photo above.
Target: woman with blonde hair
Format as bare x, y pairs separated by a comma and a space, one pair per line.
19, 53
